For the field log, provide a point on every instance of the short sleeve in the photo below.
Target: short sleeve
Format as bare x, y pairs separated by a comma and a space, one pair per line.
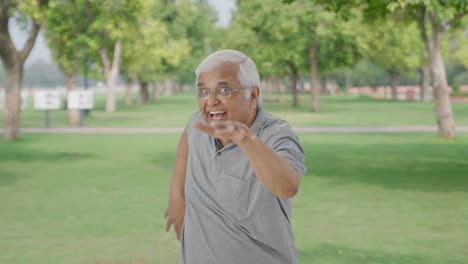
195, 117
286, 144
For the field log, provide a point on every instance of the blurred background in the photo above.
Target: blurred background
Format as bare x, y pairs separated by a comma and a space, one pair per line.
94, 94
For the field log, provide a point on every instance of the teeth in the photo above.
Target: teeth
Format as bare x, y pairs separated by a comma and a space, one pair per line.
217, 112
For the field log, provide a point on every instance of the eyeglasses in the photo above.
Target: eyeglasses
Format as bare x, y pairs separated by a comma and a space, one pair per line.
222, 92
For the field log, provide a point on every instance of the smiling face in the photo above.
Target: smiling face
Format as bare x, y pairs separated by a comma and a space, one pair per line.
236, 107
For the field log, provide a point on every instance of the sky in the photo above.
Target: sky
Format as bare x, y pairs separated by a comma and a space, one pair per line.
224, 8
42, 52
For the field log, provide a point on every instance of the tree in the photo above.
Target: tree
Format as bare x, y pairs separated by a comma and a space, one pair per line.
110, 21
302, 36
456, 56
65, 33
33, 13
334, 43
195, 23
272, 36
149, 50
453, 47
365, 73
436, 17
396, 48
461, 52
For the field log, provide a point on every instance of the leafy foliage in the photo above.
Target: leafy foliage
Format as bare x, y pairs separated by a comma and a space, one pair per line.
193, 23
66, 33
396, 47
149, 47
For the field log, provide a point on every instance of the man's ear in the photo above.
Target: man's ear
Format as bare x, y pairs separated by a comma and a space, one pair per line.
254, 94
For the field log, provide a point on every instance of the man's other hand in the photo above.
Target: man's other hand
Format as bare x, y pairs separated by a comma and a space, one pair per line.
175, 215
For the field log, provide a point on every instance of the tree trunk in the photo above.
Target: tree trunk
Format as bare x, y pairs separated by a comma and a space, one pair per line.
300, 84
332, 87
128, 94
282, 91
293, 82
13, 61
276, 87
177, 87
425, 68
394, 80
443, 105
73, 114
144, 93
185, 87
168, 86
347, 79
314, 83
130, 82
111, 72
424, 82
111, 100
293, 87
264, 87
269, 89
156, 92
12, 109
323, 86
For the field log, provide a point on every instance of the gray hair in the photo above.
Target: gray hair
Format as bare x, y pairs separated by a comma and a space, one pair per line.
247, 73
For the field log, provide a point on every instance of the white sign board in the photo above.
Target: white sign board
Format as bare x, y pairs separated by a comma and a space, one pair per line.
83, 99
47, 100
24, 100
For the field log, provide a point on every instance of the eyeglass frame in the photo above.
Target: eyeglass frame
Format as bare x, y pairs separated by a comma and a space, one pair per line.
216, 93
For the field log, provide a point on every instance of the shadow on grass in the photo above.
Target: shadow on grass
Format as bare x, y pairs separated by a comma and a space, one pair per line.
163, 160
7, 177
326, 253
19, 151
10, 152
411, 166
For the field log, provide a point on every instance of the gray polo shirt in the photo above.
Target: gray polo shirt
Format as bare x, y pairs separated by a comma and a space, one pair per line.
230, 216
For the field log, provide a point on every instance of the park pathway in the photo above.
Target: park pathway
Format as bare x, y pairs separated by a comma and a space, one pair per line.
161, 130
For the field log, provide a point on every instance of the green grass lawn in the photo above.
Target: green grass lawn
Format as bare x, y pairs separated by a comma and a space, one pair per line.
367, 198
173, 111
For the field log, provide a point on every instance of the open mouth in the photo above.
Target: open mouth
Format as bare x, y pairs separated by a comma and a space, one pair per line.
218, 115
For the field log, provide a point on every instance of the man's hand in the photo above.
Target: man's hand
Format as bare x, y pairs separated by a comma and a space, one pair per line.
226, 131
175, 215
273, 171
176, 209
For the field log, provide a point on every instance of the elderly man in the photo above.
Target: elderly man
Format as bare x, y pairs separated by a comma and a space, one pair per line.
236, 170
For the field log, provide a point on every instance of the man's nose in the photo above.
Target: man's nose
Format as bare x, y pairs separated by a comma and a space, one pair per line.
212, 98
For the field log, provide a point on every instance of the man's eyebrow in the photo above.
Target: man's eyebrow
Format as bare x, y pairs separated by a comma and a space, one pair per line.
219, 83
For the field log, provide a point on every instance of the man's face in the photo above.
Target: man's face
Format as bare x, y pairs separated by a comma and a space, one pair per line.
216, 107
